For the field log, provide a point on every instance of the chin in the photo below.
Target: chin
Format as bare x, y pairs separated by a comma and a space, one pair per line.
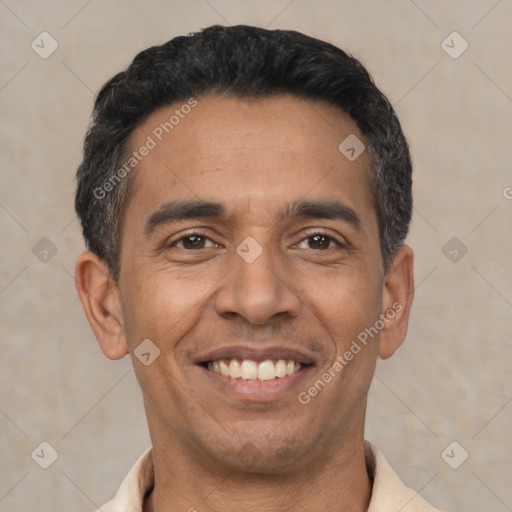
261, 452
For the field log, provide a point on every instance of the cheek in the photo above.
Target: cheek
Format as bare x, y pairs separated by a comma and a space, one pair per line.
163, 305
346, 304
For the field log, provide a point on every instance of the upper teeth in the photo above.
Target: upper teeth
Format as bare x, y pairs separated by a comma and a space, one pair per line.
248, 369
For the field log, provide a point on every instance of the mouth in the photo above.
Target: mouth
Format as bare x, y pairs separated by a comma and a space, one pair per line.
248, 369
255, 374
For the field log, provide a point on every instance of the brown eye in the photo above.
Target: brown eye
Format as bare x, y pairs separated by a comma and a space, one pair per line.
319, 242
193, 241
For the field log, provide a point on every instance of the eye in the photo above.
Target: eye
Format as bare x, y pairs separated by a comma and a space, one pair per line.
199, 240
196, 240
319, 241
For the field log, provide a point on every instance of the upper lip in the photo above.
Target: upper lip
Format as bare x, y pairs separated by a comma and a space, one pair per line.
256, 354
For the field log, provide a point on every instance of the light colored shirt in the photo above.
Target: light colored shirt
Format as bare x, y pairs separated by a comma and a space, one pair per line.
389, 494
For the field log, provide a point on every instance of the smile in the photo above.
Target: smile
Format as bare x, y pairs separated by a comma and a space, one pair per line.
256, 374
247, 369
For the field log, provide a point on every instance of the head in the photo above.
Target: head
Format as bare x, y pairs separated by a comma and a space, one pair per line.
225, 220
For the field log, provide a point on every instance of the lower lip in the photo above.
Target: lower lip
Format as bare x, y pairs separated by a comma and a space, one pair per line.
257, 390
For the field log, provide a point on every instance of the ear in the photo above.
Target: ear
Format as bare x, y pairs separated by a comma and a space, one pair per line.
396, 301
100, 299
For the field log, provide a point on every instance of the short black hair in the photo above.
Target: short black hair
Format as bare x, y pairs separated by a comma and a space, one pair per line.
244, 62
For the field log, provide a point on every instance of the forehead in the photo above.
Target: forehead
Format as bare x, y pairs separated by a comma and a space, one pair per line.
250, 155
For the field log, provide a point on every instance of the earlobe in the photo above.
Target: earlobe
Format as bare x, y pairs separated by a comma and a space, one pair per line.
100, 300
397, 300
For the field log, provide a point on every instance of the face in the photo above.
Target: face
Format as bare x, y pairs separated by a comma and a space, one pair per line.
250, 246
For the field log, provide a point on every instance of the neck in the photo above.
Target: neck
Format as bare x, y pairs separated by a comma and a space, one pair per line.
338, 481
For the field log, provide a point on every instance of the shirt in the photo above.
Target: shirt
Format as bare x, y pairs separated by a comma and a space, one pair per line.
389, 494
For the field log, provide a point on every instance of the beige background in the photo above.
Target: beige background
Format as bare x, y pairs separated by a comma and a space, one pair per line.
451, 381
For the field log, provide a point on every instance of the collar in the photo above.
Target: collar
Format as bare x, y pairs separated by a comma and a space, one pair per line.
389, 494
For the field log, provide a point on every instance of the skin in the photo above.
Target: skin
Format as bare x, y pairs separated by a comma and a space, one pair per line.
214, 451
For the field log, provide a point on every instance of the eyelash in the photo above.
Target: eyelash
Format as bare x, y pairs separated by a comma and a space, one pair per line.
202, 234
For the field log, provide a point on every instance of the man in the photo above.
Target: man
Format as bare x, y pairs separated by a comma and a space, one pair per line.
244, 196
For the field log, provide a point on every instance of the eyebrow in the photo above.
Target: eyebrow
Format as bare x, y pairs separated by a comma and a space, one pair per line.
175, 211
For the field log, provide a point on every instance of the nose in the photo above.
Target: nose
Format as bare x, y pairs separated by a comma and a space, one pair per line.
257, 291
